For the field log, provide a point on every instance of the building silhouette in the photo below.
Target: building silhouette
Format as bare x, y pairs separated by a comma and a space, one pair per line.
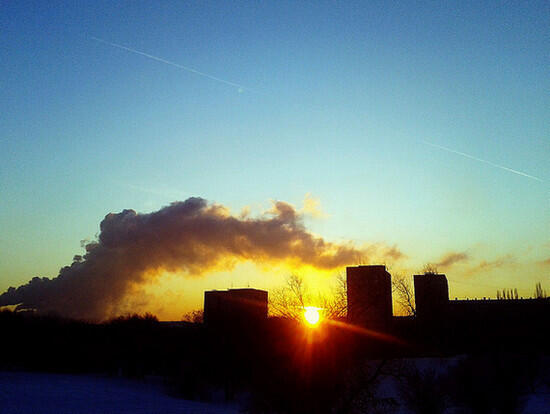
431, 293
439, 325
369, 296
432, 304
235, 307
438, 319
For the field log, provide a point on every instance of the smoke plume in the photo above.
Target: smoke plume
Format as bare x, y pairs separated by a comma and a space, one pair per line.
452, 258
192, 237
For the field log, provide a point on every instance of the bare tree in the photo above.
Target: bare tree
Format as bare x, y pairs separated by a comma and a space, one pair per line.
508, 294
290, 300
336, 305
429, 269
540, 293
195, 316
404, 294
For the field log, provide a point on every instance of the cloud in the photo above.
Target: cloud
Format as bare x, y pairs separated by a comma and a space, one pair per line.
452, 258
312, 207
389, 252
191, 237
487, 266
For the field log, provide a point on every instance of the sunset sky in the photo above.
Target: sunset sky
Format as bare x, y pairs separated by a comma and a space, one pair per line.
422, 127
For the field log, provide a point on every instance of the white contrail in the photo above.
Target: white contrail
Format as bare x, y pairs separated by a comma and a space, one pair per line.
502, 167
177, 65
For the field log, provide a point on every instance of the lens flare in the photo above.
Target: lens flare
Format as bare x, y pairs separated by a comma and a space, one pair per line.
311, 315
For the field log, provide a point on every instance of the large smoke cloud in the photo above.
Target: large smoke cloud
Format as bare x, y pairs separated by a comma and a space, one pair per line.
191, 237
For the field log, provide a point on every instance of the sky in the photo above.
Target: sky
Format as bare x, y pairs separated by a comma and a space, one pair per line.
420, 126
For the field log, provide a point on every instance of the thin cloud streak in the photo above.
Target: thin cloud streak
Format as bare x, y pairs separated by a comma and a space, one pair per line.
502, 261
177, 65
502, 167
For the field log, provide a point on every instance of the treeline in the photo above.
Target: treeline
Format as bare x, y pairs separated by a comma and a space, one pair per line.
280, 366
512, 294
130, 346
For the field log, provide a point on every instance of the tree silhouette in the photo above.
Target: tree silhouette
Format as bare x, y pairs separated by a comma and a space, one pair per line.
429, 269
403, 294
289, 300
194, 316
540, 293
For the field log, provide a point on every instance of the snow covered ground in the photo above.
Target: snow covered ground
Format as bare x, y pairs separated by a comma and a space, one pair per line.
537, 401
36, 393
39, 393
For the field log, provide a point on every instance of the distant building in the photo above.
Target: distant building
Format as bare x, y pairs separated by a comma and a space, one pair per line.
234, 307
504, 313
370, 304
475, 316
431, 293
369, 296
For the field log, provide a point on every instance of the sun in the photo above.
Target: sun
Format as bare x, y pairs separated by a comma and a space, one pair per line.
311, 315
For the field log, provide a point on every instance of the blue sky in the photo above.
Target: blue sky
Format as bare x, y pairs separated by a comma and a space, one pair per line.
339, 101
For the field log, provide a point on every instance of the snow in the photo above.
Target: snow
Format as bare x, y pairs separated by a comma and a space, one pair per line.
30, 393
536, 402
33, 393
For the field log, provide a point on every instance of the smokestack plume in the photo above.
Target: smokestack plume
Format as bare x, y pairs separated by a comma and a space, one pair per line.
192, 237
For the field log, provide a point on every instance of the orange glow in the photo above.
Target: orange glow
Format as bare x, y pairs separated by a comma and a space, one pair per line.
367, 332
312, 316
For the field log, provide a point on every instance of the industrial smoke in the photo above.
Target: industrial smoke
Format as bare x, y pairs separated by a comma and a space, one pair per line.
191, 237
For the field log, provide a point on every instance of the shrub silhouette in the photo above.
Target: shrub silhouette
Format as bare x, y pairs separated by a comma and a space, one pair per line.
490, 383
423, 391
